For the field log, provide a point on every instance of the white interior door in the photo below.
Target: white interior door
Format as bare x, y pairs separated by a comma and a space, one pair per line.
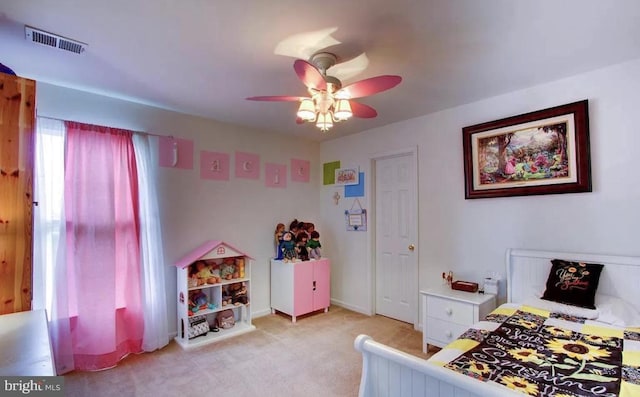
396, 256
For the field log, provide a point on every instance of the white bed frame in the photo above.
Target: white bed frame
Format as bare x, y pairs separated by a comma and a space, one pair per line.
391, 373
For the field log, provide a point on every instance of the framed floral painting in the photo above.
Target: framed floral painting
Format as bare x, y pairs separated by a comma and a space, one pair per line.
542, 152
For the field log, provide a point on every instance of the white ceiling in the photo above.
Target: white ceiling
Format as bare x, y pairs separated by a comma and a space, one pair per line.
204, 57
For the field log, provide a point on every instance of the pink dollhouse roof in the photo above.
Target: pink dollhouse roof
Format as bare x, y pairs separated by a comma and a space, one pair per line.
209, 249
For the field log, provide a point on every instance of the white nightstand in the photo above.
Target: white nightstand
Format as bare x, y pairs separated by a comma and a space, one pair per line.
447, 313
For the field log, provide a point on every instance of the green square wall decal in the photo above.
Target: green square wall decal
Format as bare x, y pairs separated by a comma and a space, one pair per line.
329, 172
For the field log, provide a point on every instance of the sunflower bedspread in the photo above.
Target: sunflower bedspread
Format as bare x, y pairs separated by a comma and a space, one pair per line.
541, 353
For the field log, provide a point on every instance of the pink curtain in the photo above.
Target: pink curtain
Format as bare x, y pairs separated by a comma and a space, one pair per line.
103, 252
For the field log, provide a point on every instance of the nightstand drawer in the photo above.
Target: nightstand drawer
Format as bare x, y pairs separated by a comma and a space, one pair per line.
441, 333
450, 310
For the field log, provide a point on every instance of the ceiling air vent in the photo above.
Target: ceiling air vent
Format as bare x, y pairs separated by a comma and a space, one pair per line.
53, 40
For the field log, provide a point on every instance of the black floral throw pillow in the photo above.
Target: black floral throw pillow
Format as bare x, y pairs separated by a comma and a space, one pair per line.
573, 283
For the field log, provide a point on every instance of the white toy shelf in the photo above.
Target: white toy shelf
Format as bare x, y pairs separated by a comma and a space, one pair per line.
214, 253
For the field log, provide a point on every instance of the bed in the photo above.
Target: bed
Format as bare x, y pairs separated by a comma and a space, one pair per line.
390, 372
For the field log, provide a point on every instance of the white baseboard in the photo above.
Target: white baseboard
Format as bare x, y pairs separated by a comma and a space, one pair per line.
357, 309
260, 313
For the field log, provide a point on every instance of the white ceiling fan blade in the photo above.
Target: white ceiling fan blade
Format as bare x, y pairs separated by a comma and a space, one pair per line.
303, 45
346, 70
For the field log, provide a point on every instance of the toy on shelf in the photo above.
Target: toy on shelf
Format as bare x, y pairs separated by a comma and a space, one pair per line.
238, 294
193, 280
215, 272
301, 246
309, 228
226, 297
294, 226
278, 239
239, 262
300, 242
225, 319
206, 273
314, 245
198, 300
204, 302
228, 269
288, 247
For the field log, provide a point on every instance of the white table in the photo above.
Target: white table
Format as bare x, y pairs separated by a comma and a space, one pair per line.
25, 349
447, 313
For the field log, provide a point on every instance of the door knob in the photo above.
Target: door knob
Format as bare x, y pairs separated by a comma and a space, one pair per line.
411, 247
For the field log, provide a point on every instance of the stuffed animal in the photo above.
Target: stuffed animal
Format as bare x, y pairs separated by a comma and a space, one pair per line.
314, 245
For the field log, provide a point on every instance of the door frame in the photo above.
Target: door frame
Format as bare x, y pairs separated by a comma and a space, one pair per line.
413, 151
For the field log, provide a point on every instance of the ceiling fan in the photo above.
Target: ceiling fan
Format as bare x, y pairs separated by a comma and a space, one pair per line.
328, 101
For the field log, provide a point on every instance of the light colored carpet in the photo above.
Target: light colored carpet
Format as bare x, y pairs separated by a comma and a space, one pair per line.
313, 357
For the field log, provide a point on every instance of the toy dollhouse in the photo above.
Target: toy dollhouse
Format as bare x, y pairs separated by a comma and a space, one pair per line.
213, 278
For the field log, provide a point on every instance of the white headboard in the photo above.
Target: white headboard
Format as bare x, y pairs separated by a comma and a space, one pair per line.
527, 273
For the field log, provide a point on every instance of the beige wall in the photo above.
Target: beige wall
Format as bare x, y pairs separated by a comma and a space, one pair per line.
242, 212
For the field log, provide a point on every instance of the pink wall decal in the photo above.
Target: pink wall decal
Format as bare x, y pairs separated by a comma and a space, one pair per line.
247, 165
214, 165
275, 175
300, 170
175, 153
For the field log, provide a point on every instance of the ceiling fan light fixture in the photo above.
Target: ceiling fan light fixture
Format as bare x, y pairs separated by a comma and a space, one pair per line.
343, 110
307, 110
328, 102
324, 121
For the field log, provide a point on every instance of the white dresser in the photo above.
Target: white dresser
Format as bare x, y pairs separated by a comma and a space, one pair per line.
25, 349
447, 313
